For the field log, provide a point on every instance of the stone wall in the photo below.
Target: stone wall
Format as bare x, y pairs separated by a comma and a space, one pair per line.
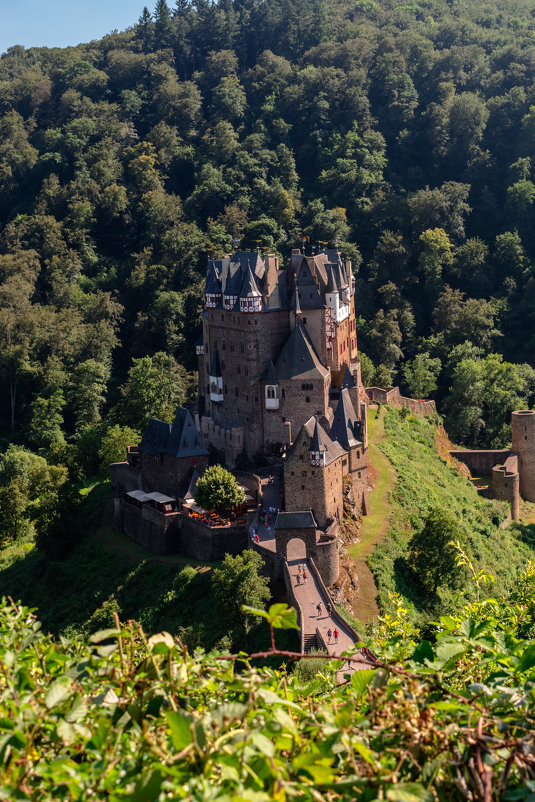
481, 463
152, 529
392, 397
327, 556
164, 474
312, 487
245, 343
230, 441
210, 544
506, 484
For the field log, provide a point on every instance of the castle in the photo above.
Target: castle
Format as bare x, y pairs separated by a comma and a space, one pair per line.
279, 381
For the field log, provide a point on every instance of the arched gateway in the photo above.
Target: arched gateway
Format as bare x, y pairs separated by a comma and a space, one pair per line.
296, 526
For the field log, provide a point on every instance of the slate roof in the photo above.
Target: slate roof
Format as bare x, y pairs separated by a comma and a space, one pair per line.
316, 444
295, 520
189, 492
270, 377
249, 288
309, 297
332, 448
343, 428
348, 381
215, 367
213, 278
298, 358
177, 439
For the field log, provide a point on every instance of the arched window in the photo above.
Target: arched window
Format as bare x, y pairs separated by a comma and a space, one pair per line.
270, 392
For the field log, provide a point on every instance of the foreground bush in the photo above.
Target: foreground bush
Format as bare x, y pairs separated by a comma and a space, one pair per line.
134, 718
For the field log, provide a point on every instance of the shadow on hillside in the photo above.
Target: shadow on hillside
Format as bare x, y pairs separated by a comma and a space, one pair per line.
79, 593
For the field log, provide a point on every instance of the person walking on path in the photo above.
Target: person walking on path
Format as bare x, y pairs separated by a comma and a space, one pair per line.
305, 577
298, 578
318, 608
299, 568
329, 634
329, 608
335, 633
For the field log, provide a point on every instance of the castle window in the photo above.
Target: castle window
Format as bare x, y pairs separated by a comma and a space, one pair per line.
238, 370
236, 392
242, 349
270, 392
302, 487
307, 387
307, 399
304, 320
292, 473
222, 317
246, 371
359, 474
303, 473
313, 473
283, 392
301, 457
358, 453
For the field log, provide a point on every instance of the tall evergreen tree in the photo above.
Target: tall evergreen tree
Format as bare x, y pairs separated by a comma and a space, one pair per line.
145, 30
163, 25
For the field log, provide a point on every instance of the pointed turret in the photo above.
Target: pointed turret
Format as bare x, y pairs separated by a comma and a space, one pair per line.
250, 295
212, 288
318, 449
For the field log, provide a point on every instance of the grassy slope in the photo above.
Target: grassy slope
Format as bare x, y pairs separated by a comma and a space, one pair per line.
424, 480
107, 572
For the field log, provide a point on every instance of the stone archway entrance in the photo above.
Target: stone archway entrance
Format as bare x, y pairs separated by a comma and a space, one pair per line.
296, 550
299, 527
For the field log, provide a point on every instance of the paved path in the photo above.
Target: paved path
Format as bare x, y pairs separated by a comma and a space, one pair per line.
307, 595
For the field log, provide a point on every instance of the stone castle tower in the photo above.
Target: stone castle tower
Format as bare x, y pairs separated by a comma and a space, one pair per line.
523, 444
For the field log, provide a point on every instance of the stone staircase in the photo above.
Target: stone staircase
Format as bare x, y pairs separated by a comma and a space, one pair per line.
311, 641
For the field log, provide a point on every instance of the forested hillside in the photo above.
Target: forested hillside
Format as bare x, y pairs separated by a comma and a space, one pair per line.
404, 132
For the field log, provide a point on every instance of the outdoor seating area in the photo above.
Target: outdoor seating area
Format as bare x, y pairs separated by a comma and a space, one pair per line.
214, 519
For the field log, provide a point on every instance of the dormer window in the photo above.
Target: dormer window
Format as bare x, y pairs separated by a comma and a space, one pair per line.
212, 300
229, 302
249, 304
317, 458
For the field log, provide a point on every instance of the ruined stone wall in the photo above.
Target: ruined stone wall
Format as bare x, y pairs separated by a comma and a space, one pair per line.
506, 485
167, 475
392, 397
481, 463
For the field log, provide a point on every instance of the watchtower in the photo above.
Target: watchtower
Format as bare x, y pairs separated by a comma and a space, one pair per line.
523, 441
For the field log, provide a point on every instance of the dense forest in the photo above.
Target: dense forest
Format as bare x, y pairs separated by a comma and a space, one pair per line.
403, 133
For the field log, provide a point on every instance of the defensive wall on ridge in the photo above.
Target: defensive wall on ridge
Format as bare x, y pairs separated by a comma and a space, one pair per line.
393, 398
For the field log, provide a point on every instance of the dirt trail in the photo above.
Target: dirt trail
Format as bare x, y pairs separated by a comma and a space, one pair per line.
374, 526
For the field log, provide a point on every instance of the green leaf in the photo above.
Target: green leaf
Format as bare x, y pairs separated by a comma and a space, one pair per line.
360, 680
409, 792
364, 752
180, 726
147, 787
58, 691
527, 660
255, 611
66, 731
104, 634
423, 652
283, 617
447, 651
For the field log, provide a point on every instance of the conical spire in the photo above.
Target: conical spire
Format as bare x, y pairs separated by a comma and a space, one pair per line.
315, 444
215, 369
